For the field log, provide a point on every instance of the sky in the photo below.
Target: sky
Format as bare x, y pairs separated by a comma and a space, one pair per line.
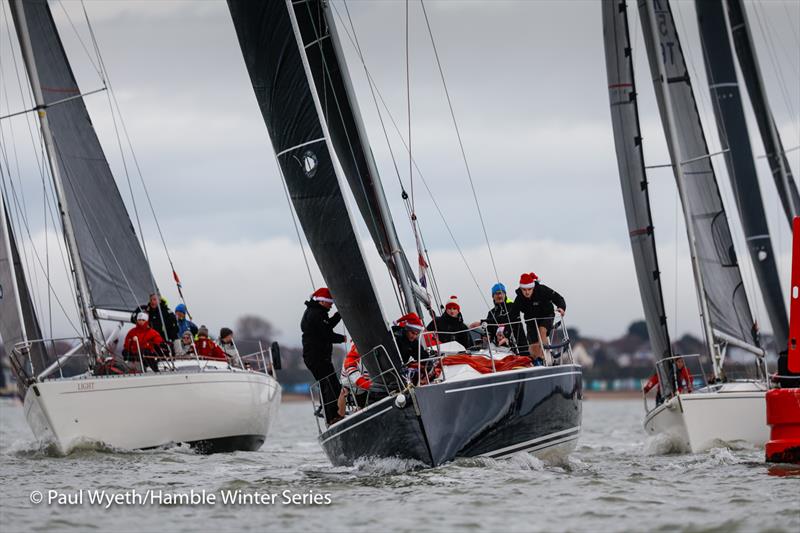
528, 87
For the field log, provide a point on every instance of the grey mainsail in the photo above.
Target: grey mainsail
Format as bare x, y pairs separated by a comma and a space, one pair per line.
114, 265
773, 146
732, 127
274, 45
723, 301
633, 176
348, 136
19, 322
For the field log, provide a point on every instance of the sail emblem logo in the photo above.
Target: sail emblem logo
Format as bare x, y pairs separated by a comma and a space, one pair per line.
309, 163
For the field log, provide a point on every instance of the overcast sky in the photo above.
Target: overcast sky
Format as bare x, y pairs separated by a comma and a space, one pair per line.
528, 85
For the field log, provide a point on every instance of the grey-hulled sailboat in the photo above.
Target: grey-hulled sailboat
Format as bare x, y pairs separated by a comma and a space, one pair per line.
300, 79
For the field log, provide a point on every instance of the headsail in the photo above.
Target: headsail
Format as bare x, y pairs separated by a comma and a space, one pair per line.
751, 72
632, 173
114, 265
275, 38
19, 323
716, 266
732, 127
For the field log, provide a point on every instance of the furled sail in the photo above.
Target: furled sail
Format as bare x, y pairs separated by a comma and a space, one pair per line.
19, 322
632, 174
716, 262
751, 72
114, 264
347, 132
275, 38
732, 127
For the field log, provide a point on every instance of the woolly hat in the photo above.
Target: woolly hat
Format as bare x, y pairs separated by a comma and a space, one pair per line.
224, 332
498, 287
452, 303
411, 321
202, 331
528, 281
323, 294
181, 308
142, 316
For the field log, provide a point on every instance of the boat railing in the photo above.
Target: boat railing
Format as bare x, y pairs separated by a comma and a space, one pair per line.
353, 397
259, 361
29, 371
666, 368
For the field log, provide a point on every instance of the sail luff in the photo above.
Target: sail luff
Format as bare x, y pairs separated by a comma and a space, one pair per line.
94, 330
633, 176
770, 137
732, 127
274, 44
720, 291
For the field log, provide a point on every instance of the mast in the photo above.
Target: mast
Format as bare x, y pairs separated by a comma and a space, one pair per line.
751, 72
633, 178
661, 80
94, 330
732, 127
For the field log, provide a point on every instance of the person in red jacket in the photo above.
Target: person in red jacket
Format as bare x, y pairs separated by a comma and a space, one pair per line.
144, 340
353, 378
208, 349
684, 380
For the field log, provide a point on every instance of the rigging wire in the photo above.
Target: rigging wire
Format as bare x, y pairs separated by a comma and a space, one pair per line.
293, 216
376, 92
460, 141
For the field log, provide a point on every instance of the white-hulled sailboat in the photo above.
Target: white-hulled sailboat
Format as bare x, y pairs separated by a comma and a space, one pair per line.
720, 409
212, 405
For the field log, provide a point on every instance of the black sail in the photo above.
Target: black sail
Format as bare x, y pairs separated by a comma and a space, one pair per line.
114, 264
729, 309
19, 322
732, 127
751, 73
274, 49
632, 173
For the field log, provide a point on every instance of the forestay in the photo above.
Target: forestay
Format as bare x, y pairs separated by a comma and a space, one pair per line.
732, 127
114, 264
275, 38
716, 262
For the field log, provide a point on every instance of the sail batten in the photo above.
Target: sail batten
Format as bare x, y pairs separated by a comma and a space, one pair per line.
272, 36
111, 257
732, 128
723, 302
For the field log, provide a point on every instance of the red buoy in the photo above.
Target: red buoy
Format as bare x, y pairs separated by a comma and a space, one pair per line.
783, 405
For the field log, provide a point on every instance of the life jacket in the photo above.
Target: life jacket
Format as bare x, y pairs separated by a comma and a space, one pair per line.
142, 338
208, 349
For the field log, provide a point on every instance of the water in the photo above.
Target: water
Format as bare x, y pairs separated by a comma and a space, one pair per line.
616, 480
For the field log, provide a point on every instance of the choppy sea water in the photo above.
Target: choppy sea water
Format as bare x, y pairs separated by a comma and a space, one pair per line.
616, 480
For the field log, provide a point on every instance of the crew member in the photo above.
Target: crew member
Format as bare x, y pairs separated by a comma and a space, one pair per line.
184, 324
354, 379
450, 326
161, 318
145, 341
318, 341
503, 325
208, 349
536, 302
683, 377
406, 334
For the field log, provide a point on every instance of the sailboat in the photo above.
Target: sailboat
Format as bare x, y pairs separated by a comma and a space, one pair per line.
721, 409
212, 405
296, 65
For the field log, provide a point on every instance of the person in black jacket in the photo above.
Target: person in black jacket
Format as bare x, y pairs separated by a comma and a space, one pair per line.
318, 341
161, 318
503, 324
406, 335
538, 304
450, 326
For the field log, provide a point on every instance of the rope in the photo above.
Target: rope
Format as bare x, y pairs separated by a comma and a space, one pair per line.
292, 215
460, 141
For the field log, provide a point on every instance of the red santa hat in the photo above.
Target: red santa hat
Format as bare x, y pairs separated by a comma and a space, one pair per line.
323, 294
528, 281
411, 321
452, 303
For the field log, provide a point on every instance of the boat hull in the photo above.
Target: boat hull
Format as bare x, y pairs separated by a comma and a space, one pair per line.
698, 421
211, 410
493, 415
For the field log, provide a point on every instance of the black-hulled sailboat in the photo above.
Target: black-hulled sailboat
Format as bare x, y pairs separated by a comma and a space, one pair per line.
721, 408
295, 62
213, 405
